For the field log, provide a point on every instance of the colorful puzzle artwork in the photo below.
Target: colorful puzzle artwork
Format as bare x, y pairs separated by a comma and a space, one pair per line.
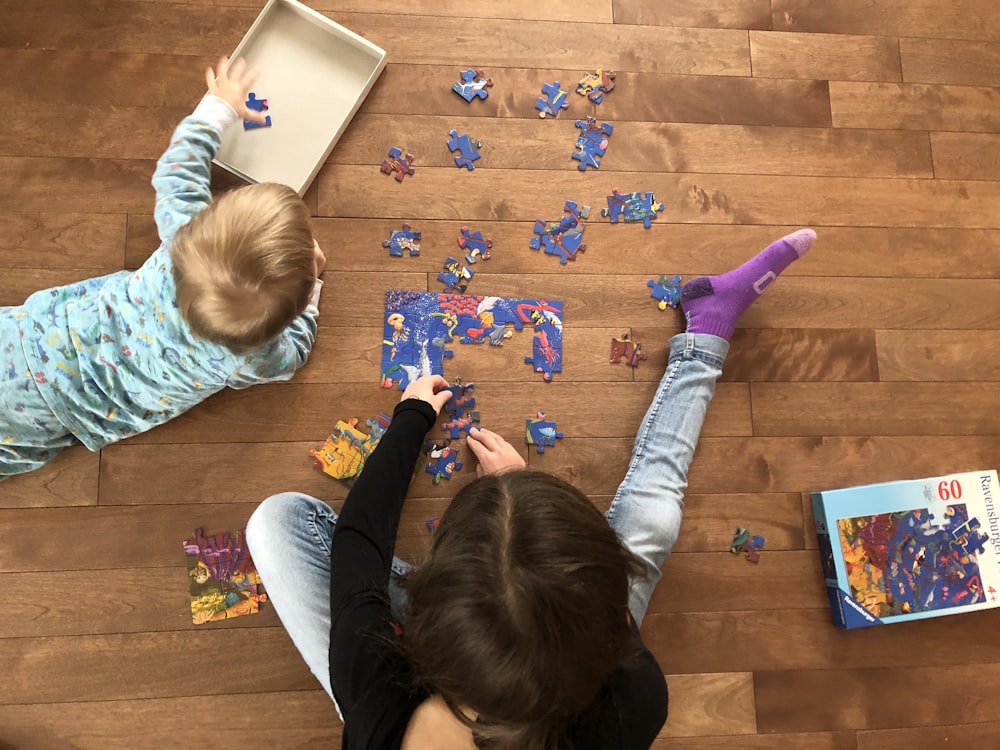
420, 327
564, 238
911, 562
222, 580
442, 461
473, 85
400, 240
475, 245
592, 143
541, 432
461, 415
398, 164
632, 207
666, 291
595, 85
344, 453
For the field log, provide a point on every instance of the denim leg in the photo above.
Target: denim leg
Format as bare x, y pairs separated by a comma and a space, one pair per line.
289, 539
646, 512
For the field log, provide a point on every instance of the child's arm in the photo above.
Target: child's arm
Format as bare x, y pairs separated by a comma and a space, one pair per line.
183, 173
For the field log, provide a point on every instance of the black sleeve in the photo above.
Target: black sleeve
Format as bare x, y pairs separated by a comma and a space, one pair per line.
361, 554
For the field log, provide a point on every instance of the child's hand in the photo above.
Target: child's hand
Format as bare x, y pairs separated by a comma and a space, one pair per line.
429, 388
495, 454
233, 83
319, 258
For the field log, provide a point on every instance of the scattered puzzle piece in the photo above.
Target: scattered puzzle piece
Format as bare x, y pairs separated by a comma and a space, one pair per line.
453, 276
541, 432
553, 101
592, 143
625, 347
443, 462
632, 207
475, 244
472, 85
258, 105
595, 85
402, 239
468, 148
742, 542
397, 164
667, 290
564, 239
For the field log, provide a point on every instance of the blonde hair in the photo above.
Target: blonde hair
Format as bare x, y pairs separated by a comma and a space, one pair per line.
244, 267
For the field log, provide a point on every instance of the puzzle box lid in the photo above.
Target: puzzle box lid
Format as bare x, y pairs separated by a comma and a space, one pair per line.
315, 74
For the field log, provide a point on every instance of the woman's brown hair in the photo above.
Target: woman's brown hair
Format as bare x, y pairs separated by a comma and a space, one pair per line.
244, 267
521, 612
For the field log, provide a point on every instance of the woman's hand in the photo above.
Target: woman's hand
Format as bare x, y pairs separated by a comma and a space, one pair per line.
429, 388
233, 83
495, 454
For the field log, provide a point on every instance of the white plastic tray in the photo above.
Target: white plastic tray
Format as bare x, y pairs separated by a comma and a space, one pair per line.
315, 74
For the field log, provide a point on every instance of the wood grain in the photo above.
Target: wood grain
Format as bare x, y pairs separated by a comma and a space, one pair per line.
966, 63
839, 57
721, 14
966, 156
914, 106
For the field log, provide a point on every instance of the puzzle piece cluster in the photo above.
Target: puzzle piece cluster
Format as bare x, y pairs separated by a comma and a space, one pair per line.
592, 143
401, 240
595, 85
475, 245
472, 85
541, 432
258, 105
632, 207
468, 149
623, 346
553, 101
667, 291
398, 164
747, 544
565, 238
344, 453
459, 408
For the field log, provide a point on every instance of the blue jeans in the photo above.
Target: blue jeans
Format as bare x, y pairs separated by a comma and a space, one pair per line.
289, 534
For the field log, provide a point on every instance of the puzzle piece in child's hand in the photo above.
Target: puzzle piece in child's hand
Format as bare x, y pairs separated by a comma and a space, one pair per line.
595, 85
468, 148
472, 85
222, 578
258, 105
592, 143
625, 347
397, 164
454, 274
546, 353
402, 239
564, 239
541, 432
553, 101
667, 290
475, 244
442, 462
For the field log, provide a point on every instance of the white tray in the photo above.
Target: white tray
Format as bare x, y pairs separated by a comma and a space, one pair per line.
314, 74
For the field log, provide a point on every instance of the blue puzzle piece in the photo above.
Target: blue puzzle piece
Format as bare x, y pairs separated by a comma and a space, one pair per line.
546, 351
454, 274
541, 432
461, 399
667, 290
472, 85
592, 143
475, 244
398, 164
595, 85
631, 207
443, 462
258, 105
455, 426
553, 101
565, 239
402, 239
469, 149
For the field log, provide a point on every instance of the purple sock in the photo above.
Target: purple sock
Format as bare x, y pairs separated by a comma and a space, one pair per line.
713, 304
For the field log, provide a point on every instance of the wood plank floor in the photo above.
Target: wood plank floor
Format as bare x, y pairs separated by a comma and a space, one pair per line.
875, 358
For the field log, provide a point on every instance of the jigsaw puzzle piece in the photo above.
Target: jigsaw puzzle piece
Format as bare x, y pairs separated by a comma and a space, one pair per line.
641, 207
541, 432
398, 164
546, 351
401, 240
258, 105
595, 85
592, 142
472, 85
468, 148
667, 291
475, 244
454, 274
553, 101
442, 462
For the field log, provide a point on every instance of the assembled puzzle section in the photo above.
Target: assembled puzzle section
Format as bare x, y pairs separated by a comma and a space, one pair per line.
459, 409
420, 328
344, 453
910, 549
298, 52
564, 238
222, 579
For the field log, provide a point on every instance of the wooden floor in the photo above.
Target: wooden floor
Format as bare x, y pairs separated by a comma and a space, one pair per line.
875, 358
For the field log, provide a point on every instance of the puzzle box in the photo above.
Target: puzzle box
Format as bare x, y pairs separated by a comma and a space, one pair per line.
315, 74
909, 550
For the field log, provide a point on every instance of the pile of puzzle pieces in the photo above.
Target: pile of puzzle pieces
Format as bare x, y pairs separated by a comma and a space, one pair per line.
564, 238
747, 544
592, 143
632, 207
344, 453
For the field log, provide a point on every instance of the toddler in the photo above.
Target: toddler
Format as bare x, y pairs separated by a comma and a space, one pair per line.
228, 299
